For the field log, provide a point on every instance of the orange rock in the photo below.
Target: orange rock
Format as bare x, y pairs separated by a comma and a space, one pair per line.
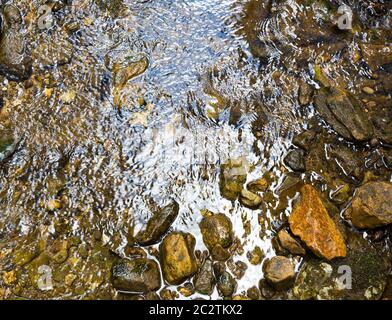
311, 222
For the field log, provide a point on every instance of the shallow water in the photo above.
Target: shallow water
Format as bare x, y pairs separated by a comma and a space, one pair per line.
204, 99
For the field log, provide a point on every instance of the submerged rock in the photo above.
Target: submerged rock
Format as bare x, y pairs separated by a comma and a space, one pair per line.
361, 275
305, 94
376, 55
15, 62
250, 199
295, 160
217, 232
310, 221
226, 284
137, 275
177, 257
232, 178
305, 139
334, 105
8, 146
116, 8
204, 280
279, 272
345, 160
290, 243
371, 206
128, 69
158, 225
125, 71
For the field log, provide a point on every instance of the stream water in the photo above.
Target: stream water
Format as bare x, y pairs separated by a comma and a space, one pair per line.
90, 159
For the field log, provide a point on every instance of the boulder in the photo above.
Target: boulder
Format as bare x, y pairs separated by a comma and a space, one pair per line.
226, 284
177, 257
295, 160
371, 206
334, 104
158, 225
310, 221
217, 232
279, 272
137, 275
204, 280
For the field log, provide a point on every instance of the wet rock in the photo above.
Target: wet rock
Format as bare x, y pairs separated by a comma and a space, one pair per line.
8, 146
219, 253
232, 178
305, 139
61, 256
255, 256
53, 205
266, 290
226, 284
279, 272
310, 221
25, 254
237, 268
217, 232
250, 199
361, 275
321, 77
128, 69
334, 104
34, 268
177, 257
289, 243
345, 160
295, 160
158, 225
382, 122
376, 55
291, 181
305, 94
15, 62
368, 90
116, 8
253, 293
371, 206
341, 194
204, 280
136, 275
259, 185
125, 71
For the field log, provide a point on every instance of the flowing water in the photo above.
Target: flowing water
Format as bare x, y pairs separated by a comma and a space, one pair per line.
205, 97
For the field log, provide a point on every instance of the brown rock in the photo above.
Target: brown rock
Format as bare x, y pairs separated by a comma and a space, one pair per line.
290, 243
279, 272
137, 275
217, 230
250, 199
372, 205
334, 105
376, 55
204, 280
177, 257
232, 178
311, 222
158, 225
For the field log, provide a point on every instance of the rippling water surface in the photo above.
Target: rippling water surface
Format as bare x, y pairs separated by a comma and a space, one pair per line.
204, 98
